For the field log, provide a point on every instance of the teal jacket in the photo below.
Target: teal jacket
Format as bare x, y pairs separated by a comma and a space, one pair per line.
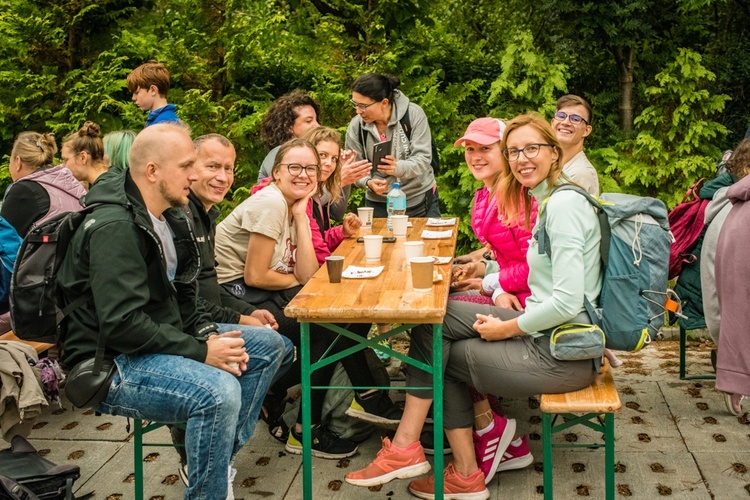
688, 286
116, 256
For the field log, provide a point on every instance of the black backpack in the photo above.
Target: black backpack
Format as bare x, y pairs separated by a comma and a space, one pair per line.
34, 296
22, 464
406, 126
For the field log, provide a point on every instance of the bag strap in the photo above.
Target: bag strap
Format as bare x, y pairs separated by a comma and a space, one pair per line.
542, 236
405, 125
545, 246
10, 488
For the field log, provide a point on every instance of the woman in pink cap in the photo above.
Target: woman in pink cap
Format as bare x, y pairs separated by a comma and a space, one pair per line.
496, 445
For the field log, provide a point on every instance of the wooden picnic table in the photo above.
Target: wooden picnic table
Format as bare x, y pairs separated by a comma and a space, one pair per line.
388, 298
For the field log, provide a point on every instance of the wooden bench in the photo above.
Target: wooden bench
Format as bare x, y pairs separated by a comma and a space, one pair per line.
40, 347
597, 403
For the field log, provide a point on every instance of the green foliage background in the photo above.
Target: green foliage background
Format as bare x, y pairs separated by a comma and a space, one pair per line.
62, 63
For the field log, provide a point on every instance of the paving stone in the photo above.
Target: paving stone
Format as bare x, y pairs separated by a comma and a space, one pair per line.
726, 473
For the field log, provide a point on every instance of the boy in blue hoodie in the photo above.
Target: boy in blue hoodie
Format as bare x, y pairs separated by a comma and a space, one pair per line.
149, 84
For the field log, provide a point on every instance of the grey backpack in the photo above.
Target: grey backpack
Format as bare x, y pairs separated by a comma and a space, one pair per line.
635, 259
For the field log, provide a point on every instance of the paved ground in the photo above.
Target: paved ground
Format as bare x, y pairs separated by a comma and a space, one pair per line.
674, 439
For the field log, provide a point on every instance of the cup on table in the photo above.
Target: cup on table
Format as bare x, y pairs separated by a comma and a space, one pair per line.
335, 265
399, 223
365, 215
235, 366
373, 246
421, 273
413, 249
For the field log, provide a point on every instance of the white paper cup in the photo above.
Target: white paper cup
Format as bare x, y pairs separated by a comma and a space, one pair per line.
365, 215
236, 366
413, 249
373, 246
399, 223
421, 273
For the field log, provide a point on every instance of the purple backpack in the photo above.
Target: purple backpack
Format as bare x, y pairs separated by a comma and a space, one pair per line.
686, 222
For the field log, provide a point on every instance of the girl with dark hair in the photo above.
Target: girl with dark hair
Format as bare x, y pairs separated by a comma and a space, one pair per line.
265, 247
385, 113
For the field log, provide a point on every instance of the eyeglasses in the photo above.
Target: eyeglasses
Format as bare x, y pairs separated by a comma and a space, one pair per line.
360, 106
574, 119
529, 151
296, 169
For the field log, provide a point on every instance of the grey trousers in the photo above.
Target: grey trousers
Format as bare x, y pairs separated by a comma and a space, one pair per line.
517, 367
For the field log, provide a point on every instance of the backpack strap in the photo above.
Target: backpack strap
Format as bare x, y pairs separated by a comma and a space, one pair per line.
543, 241
406, 123
543, 238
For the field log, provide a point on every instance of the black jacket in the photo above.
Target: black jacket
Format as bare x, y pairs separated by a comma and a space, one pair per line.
117, 257
220, 304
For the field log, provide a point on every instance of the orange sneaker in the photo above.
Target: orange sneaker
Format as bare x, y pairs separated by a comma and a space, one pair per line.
455, 486
391, 463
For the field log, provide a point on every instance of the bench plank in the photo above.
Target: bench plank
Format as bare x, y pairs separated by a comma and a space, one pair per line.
40, 347
600, 396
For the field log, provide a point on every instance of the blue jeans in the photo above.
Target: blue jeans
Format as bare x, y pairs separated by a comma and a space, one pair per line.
220, 409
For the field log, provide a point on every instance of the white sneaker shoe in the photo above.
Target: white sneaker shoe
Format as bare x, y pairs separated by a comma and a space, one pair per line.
183, 471
184, 475
230, 488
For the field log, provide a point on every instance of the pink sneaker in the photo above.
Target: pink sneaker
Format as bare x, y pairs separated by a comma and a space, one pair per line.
516, 457
490, 447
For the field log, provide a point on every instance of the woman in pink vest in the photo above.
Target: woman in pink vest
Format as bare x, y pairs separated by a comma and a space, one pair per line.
504, 245
39, 192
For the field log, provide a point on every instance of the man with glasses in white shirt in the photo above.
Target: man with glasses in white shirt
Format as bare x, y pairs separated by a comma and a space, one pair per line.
572, 124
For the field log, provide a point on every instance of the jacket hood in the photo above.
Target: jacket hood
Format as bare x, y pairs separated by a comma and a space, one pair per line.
110, 188
740, 191
719, 201
401, 106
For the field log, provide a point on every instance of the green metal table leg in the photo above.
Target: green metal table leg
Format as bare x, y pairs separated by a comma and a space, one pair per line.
547, 455
437, 402
307, 477
138, 458
609, 455
683, 338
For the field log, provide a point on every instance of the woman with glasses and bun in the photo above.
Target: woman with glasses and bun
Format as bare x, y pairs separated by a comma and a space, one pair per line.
385, 113
497, 350
265, 254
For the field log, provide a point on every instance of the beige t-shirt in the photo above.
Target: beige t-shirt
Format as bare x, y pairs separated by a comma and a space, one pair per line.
267, 213
580, 170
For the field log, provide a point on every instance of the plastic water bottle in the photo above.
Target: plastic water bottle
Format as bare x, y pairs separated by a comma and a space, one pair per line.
396, 203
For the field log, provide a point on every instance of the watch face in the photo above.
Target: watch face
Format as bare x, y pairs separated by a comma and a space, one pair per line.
487, 255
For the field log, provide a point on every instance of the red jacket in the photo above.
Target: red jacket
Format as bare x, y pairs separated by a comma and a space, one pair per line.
508, 242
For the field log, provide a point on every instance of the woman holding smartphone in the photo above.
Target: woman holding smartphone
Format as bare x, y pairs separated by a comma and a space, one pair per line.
384, 113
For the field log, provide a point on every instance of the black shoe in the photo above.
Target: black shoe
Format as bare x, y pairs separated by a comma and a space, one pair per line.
428, 443
376, 408
325, 444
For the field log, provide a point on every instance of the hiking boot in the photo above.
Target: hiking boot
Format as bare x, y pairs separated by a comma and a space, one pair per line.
325, 443
516, 457
455, 486
375, 408
382, 355
427, 439
391, 463
490, 447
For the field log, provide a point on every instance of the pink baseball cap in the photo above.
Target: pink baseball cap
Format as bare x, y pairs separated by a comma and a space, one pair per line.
483, 131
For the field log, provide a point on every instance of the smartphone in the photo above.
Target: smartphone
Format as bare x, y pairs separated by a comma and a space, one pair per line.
379, 151
386, 239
